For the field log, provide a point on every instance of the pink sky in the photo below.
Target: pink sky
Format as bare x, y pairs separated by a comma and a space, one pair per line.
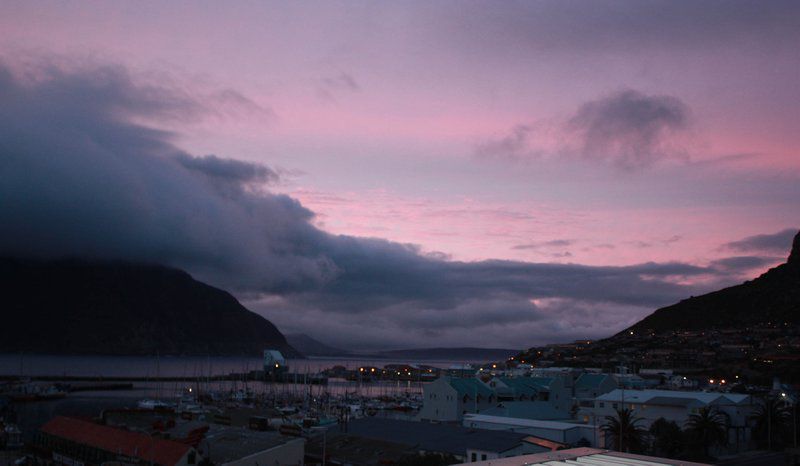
397, 121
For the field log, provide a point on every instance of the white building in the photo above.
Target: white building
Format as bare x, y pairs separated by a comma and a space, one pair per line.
274, 362
589, 386
447, 399
677, 406
551, 390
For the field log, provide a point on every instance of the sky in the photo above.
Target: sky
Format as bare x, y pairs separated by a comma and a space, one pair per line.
409, 174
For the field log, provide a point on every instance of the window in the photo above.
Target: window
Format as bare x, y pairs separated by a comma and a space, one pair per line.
601, 404
192, 457
474, 457
615, 405
483, 457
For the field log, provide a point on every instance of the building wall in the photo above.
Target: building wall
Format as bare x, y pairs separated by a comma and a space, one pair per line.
440, 402
608, 384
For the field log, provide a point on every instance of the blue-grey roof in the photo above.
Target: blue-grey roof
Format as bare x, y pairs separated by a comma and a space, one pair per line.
443, 438
526, 410
589, 381
471, 387
522, 385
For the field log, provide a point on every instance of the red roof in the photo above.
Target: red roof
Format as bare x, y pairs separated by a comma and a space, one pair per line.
117, 441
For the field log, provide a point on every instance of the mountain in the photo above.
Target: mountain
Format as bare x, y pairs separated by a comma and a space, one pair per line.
455, 354
774, 297
311, 347
83, 307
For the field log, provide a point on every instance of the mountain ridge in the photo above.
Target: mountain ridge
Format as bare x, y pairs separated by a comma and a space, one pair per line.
76, 306
772, 297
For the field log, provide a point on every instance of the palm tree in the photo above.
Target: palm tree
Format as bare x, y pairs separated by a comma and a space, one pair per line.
667, 438
772, 423
708, 428
624, 432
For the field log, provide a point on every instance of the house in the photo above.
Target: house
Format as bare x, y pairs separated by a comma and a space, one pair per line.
677, 406
76, 442
447, 399
465, 444
569, 434
274, 363
589, 386
551, 390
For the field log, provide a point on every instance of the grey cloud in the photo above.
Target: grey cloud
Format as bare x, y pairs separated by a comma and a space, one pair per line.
79, 178
516, 145
231, 170
779, 242
629, 128
545, 244
744, 263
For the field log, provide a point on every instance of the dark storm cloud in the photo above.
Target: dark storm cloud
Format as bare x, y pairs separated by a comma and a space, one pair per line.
230, 170
779, 242
79, 178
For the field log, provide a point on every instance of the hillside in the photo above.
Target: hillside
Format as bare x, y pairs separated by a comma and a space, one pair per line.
774, 297
311, 347
79, 307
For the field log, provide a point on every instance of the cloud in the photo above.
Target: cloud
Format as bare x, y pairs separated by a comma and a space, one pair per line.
777, 243
556, 243
330, 87
81, 176
516, 145
628, 129
229, 170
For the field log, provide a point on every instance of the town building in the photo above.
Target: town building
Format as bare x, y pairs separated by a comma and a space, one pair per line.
76, 442
447, 399
274, 363
566, 434
589, 386
677, 406
235, 446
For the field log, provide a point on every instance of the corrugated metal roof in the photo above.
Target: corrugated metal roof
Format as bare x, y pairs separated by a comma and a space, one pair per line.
117, 441
526, 410
471, 387
445, 438
584, 456
645, 396
587, 380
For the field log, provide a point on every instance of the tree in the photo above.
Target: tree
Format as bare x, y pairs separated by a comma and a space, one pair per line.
772, 424
667, 438
624, 432
708, 428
